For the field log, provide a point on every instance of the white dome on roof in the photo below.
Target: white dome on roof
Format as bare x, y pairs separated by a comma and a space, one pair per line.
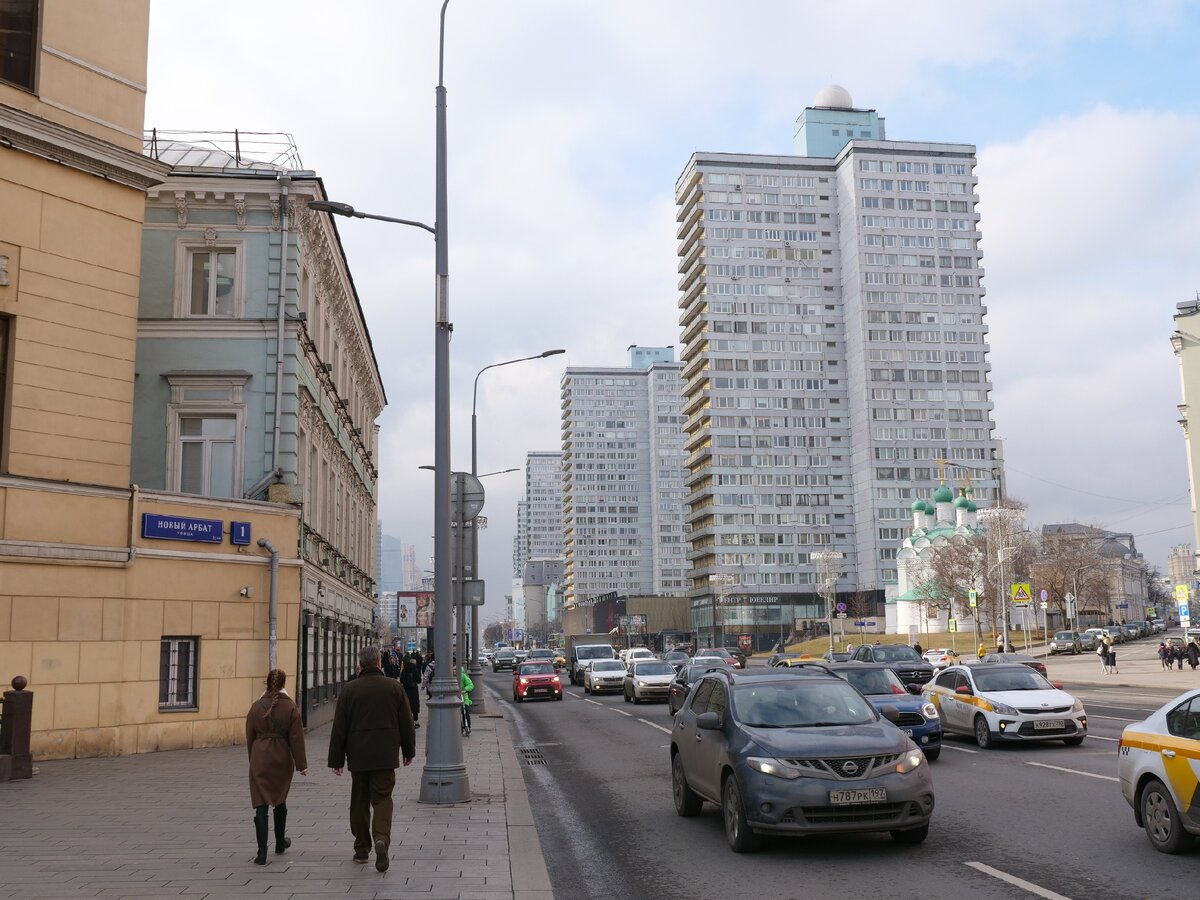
835, 96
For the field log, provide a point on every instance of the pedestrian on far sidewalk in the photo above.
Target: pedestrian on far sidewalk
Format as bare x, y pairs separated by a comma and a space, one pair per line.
427, 677
275, 743
1102, 652
981, 652
410, 680
1164, 655
1193, 654
1112, 659
372, 729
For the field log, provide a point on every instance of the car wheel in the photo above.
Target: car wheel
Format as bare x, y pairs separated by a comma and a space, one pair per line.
933, 754
1161, 819
737, 829
558, 696
628, 699
518, 698
983, 735
1073, 741
636, 698
911, 835
586, 689
687, 801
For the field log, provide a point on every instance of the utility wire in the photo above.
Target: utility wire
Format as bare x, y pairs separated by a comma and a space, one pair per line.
1092, 493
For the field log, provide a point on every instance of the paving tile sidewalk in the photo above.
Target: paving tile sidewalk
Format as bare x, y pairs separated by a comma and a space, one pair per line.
179, 824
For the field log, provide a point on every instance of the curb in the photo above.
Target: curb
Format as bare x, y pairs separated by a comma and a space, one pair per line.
530, 877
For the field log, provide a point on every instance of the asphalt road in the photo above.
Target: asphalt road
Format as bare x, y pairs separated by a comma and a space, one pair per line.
1048, 816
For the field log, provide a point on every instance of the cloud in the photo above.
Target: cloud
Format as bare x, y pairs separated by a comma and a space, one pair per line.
1089, 229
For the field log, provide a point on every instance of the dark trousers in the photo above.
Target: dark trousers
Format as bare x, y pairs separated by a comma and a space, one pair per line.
371, 792
413, 692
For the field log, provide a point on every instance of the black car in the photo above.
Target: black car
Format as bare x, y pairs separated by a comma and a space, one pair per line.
676, 658
797, 752
907, 663
505, 658
683, 681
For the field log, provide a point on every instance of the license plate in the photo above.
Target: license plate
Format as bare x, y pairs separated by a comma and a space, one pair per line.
1048, 724
858, 795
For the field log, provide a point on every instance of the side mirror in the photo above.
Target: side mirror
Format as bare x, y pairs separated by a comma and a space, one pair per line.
890, 713
709, 721
963, 689
914, 689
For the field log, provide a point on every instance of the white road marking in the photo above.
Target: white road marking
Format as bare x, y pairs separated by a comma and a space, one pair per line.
1016, 882
596, 702
1073, 771
655, 725
622, 712
1096, 737
1110, 718
959, 749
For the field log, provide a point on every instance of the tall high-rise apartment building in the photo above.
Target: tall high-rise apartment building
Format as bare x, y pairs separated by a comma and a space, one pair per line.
543, 504
835, 359
622, 465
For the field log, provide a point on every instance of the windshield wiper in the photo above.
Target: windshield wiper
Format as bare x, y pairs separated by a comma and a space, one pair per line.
763, 725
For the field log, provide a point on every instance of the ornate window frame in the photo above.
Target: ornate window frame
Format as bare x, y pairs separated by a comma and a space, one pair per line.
184, 248
206, 394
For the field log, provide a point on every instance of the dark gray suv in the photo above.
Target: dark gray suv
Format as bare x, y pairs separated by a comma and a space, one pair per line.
909, 666
505, 658
796, 752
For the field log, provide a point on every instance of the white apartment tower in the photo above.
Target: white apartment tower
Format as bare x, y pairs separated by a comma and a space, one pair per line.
543, 504
834, 359
622, 478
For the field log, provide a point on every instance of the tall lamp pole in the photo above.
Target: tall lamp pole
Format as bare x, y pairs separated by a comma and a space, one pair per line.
476, 671
828, 568
444, 779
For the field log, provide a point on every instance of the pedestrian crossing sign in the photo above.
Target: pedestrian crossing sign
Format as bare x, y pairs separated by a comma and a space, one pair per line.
972, 599
1181, 593
1021, 594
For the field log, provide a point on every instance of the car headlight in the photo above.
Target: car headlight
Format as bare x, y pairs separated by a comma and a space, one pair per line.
641, 683
929, 711
1003, 708
910, 761
1078, 707
776, 767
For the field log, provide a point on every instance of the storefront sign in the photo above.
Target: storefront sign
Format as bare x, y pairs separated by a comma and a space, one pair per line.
182, 528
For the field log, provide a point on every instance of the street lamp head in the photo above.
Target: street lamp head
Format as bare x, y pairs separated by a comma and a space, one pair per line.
546, 353
331, 206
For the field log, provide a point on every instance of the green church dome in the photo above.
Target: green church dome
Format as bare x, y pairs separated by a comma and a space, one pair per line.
971, 507
962, 502
943, 495
918, 505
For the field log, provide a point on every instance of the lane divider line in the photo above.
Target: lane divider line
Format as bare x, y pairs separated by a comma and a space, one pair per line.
1112, 718
1016, 882
959, 749
1096, 737
655, 725
622, 712
1073, 771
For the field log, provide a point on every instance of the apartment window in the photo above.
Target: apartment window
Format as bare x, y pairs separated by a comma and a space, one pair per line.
205, 427
18, 42
210, 277
177, 674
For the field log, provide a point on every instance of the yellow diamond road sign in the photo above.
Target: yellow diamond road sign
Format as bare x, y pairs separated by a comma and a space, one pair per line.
1181, 593
1021, 594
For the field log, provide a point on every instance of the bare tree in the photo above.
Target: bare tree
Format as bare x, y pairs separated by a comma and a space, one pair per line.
1071, 562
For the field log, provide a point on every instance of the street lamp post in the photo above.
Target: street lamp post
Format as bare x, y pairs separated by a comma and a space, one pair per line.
476, 671
828, 568
444, 779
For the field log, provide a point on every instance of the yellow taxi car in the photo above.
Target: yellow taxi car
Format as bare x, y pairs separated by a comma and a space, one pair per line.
995, 702
1158, 762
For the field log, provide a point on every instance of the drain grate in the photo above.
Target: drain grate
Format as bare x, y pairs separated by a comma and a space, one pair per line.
533, 756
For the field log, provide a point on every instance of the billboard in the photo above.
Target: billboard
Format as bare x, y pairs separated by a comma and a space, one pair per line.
406, 611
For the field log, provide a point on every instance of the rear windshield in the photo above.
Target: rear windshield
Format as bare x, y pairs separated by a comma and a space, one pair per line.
894, 653
595, 653
874, 681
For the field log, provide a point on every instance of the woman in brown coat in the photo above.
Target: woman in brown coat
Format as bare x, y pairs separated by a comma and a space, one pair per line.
275, 742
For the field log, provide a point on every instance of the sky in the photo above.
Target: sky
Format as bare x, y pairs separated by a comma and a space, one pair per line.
569, 121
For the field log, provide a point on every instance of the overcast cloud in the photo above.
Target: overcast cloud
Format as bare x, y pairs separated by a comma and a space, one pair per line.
570, 121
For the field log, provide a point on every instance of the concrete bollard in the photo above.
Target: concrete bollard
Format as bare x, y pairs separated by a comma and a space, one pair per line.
16, 723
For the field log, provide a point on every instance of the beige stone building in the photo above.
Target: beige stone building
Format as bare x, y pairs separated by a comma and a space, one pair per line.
140, 618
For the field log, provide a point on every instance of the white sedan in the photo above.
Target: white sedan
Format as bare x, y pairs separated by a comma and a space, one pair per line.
996, 702
1157, 762
941, 657
648, 679
603, 675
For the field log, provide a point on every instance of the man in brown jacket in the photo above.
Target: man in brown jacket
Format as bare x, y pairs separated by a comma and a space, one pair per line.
372, 726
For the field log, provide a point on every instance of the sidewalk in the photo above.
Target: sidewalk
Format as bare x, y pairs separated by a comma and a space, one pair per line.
180, 824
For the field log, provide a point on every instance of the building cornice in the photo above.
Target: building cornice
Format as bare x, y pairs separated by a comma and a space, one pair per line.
40, 137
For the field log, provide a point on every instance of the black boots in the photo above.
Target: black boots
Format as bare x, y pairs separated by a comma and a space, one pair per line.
260, 832
281, 842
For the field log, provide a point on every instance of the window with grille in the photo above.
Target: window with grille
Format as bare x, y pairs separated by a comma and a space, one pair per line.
177, 670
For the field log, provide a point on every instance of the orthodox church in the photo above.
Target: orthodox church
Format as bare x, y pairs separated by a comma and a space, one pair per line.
912, 607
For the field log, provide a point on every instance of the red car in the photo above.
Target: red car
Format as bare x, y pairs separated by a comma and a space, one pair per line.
536, 679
